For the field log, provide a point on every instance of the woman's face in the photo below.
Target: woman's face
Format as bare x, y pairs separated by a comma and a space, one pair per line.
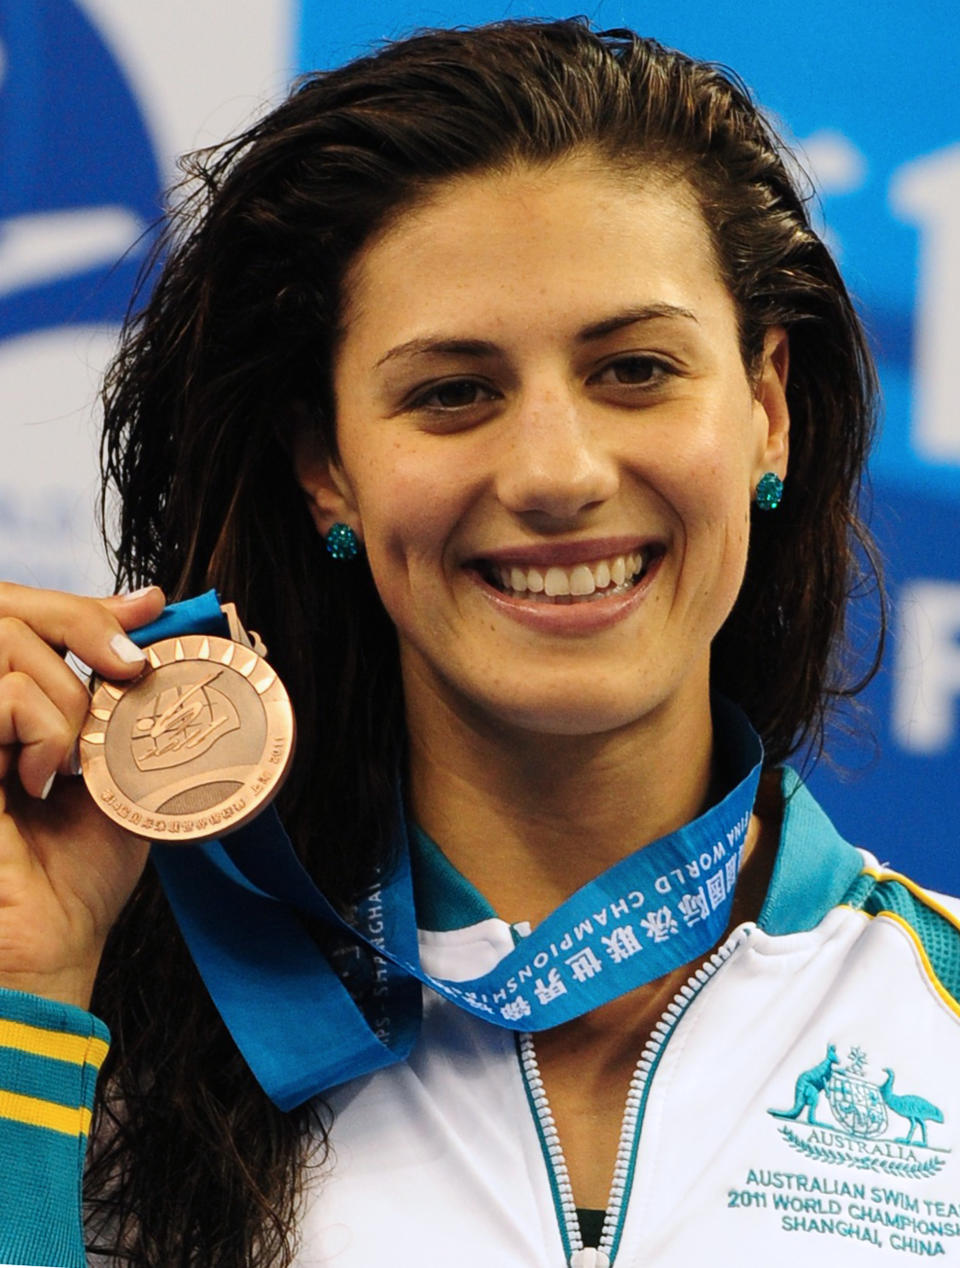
548, 445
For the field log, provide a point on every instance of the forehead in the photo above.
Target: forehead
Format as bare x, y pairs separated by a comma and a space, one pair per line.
580, 233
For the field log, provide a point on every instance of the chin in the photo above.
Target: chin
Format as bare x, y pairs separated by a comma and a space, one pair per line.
578, 715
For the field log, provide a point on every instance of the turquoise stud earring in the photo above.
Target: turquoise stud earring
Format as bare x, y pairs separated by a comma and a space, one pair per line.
769, 491
342, 542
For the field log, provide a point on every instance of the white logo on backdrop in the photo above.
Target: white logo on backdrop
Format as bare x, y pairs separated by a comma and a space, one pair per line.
926, 695
927, 193
47, 246
50, 366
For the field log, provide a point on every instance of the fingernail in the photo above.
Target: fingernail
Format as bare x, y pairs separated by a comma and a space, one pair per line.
45, 791
75, 767
137, 594
127, 650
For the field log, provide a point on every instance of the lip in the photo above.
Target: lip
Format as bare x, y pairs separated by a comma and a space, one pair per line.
567, 618
563, 554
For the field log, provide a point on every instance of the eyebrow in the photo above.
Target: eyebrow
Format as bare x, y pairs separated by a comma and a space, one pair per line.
630, 317
484, 348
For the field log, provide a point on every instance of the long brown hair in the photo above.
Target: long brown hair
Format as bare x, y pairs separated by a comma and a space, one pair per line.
231, 357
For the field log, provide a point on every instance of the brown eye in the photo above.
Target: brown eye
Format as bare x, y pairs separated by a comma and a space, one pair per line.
631, 370
454, 394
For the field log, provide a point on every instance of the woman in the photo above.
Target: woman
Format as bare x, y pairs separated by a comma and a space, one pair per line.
531, 316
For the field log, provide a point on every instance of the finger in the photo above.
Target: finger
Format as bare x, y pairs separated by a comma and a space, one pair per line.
137, 608
93, 629
23, 651
30, 719
12, 846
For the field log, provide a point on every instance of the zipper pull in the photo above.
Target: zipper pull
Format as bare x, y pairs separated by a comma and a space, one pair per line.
589, 1257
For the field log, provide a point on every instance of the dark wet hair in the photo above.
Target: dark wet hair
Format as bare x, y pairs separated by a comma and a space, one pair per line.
231, 358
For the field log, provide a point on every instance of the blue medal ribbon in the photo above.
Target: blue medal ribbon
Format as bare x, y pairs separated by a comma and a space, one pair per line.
240, 904
202, 615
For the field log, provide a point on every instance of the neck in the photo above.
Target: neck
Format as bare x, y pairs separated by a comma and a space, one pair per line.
529, 819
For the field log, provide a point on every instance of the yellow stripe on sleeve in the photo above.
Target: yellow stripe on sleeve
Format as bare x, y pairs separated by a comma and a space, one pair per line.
77, 1049
924, 959
928, 900
70, 1120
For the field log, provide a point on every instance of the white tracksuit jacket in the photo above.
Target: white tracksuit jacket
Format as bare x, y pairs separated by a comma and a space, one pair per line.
798, 1106
798, 1103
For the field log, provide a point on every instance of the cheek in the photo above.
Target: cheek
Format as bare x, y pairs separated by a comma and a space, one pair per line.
733, 537
409, 511
714, 509
713, 488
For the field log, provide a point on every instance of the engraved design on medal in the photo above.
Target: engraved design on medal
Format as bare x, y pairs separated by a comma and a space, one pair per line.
181, 724
193, 749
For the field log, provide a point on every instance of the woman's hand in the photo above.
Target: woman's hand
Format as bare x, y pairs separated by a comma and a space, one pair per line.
65, 869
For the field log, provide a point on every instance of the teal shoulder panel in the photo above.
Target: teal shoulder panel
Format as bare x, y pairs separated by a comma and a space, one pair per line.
939, 937
860, 891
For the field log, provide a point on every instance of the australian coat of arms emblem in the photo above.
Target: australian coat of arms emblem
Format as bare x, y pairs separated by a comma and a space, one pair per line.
845, 1118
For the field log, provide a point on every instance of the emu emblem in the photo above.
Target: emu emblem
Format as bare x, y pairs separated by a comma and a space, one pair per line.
839, 1116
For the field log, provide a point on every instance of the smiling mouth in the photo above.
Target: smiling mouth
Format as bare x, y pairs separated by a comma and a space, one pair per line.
581, 583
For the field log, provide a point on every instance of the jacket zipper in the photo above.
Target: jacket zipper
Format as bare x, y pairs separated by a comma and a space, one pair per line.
578, 1256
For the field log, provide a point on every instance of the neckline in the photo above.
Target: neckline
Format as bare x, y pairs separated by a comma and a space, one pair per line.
814, 869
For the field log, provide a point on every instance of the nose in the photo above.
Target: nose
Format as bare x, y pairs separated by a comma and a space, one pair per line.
557, 463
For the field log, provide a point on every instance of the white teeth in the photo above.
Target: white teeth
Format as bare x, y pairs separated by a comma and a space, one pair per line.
581, 580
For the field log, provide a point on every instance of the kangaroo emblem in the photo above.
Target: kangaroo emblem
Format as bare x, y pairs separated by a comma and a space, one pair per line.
809, 1086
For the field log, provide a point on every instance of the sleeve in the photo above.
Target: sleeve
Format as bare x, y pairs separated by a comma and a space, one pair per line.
50, 1056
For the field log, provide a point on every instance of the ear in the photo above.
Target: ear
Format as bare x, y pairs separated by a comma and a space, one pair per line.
770, 403
329, 494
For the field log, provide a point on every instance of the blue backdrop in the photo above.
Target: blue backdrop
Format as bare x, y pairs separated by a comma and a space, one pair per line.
73, 142
868, 94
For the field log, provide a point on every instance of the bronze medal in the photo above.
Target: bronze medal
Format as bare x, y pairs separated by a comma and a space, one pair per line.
195, 747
